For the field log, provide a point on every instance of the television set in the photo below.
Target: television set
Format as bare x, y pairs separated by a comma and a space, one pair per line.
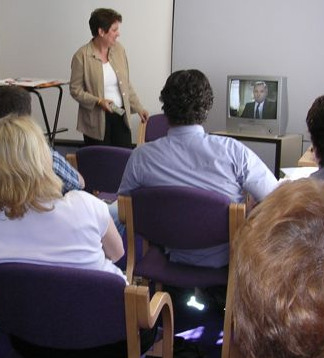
245, 92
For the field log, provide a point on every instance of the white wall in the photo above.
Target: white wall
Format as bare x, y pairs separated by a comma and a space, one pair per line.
39, 37
253, 37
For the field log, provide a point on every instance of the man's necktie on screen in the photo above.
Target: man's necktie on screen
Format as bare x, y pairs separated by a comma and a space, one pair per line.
257, 112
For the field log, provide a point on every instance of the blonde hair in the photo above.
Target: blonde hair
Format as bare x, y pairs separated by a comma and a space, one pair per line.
26, 175
279, 274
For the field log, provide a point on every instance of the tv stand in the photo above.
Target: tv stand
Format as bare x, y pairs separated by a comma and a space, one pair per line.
275, 151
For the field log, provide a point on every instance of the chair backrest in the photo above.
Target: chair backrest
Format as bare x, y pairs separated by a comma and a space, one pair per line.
157, 126
65, 308
181, 217
184, 218
102, 167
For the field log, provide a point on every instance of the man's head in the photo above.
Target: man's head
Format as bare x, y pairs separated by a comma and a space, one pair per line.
279, 274
14, 100
187, 97
260, 91
315, 125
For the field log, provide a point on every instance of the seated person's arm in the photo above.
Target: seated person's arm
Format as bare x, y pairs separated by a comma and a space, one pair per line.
112, 242
132, 174
81, 181
71, 178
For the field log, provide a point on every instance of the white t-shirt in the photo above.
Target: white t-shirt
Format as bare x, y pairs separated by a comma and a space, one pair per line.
111, 88
69, 235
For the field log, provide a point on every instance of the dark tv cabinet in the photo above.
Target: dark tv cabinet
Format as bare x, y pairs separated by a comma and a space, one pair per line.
276, 151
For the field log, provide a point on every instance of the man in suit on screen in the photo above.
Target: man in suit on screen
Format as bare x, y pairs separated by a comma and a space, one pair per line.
261, 107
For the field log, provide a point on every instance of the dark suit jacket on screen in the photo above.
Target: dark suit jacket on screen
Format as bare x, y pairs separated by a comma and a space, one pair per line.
269, 110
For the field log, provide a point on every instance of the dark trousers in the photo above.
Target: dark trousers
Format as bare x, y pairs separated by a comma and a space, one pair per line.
117, 134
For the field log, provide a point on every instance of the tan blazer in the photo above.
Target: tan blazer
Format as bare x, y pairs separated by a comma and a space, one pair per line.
87, 87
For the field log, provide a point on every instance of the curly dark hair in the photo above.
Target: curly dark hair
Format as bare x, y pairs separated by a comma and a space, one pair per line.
103, 18
315, 125
187, 97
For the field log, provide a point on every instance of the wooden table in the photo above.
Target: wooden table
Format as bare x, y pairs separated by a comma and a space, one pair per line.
307, 159
34, 86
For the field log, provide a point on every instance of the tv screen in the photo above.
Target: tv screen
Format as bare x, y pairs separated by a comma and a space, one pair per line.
257, 105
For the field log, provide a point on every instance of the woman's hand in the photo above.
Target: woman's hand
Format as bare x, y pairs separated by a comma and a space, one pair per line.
144, 115
105, 104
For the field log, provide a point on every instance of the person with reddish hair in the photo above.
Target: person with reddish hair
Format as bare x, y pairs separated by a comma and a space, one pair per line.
278, 306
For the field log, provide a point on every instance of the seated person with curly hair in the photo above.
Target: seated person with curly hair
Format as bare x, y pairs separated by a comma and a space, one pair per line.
278, 303
188, 156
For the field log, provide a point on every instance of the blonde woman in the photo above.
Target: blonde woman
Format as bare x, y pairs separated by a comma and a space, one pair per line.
37, 223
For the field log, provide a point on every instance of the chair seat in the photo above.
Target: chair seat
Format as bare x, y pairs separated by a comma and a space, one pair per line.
160, 269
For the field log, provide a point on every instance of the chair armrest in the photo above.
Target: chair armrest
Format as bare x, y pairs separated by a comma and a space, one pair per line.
143, 313
141, 133
237, 215
149, 311
121, 209
125, 213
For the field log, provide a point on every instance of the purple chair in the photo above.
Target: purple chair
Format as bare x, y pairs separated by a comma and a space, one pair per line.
102, 168
157, 126
52, 310
178, 218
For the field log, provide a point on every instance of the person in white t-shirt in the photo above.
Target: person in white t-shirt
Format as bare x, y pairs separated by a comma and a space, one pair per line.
37, 223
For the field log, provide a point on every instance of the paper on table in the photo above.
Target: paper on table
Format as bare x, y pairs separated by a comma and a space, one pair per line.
298, 172
30, 82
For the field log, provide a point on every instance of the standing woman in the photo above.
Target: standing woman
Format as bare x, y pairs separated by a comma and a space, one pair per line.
100, 81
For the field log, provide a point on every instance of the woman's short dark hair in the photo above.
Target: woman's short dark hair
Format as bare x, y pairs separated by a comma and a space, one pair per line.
103, 18
315, 124
14, 100
187, 97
